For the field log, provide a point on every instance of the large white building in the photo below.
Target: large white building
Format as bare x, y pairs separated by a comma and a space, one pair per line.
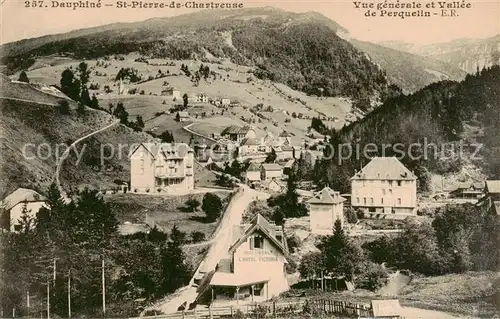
254, 269
162, 167
384, 186
325, 208
13, 206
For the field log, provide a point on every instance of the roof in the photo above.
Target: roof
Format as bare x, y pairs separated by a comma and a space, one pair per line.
183, 114
234, 129
168, 150
385, 168
21, 195
327, 196
493, 186
258, 223
386, 308
233, 280
250, 141
290, 163
271, 167
253, 167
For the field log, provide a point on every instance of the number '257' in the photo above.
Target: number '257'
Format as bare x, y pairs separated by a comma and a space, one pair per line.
33, 4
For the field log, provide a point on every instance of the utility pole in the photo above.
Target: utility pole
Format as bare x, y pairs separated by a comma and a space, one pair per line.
103, 289
28, 302
48, 298
69, 293
54, 282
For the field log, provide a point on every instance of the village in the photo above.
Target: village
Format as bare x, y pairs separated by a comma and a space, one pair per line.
239, 177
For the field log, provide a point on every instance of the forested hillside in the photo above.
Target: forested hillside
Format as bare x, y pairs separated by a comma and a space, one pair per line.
445, 114
300, 50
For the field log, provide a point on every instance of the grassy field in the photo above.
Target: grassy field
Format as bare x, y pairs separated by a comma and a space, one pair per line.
466, 294
166, 211
233, 82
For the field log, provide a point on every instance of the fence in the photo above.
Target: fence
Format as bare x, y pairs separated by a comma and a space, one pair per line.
284, 309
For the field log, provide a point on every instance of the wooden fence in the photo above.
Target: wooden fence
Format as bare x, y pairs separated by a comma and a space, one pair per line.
284, 309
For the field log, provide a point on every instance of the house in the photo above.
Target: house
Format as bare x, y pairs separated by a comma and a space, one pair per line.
239, 277
13, 206
238, 134
325, 207
252, 173
162, 167
225, 102
273, 185
468, 191
270, 171
491, 201
286, 152
176, 95
384, 186
249, 146
182, 116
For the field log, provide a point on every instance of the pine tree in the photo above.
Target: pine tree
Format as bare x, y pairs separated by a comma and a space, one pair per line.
23, 77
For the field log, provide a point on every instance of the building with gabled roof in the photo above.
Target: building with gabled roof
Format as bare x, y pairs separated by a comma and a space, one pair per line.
325, 208
13, 206
384, 186
271, 171
491, 201
252, 173
255, 246
237, 133
162, 167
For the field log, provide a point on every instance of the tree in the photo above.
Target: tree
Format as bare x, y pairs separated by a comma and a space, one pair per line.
311, 265
197, 236
70, 85
63, 107
212, 206
192, 204
85, 97
350, 215
80, 109
177, 236
23, 77
84, 73
121, 113
342, 255
139, 121
94, 103
380, 250
271, 156
167, 137
373, 277
185, 100
26, 221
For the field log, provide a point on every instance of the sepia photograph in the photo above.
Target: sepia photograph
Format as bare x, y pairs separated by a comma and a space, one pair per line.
250, 159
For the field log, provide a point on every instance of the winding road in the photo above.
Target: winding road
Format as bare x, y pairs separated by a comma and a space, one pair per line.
66, 153
219, 246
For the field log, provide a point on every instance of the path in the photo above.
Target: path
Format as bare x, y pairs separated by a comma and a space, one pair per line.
219, 246
66, 153
397, 282
417, 313
24, 100
188, 129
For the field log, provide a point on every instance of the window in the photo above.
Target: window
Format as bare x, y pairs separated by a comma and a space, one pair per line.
390, 191
257, 289
372, 209
258, 242
399, 201
364, 200
142, 166
357, 200
390, 183
371, 200
399, 183
382, 201
17, 227
383, 191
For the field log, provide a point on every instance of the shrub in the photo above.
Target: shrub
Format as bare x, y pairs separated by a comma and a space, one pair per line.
350, 215
63, 107
374, 277
197, 236
293, 242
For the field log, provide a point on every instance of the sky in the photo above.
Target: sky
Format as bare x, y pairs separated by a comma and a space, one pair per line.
481, 20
